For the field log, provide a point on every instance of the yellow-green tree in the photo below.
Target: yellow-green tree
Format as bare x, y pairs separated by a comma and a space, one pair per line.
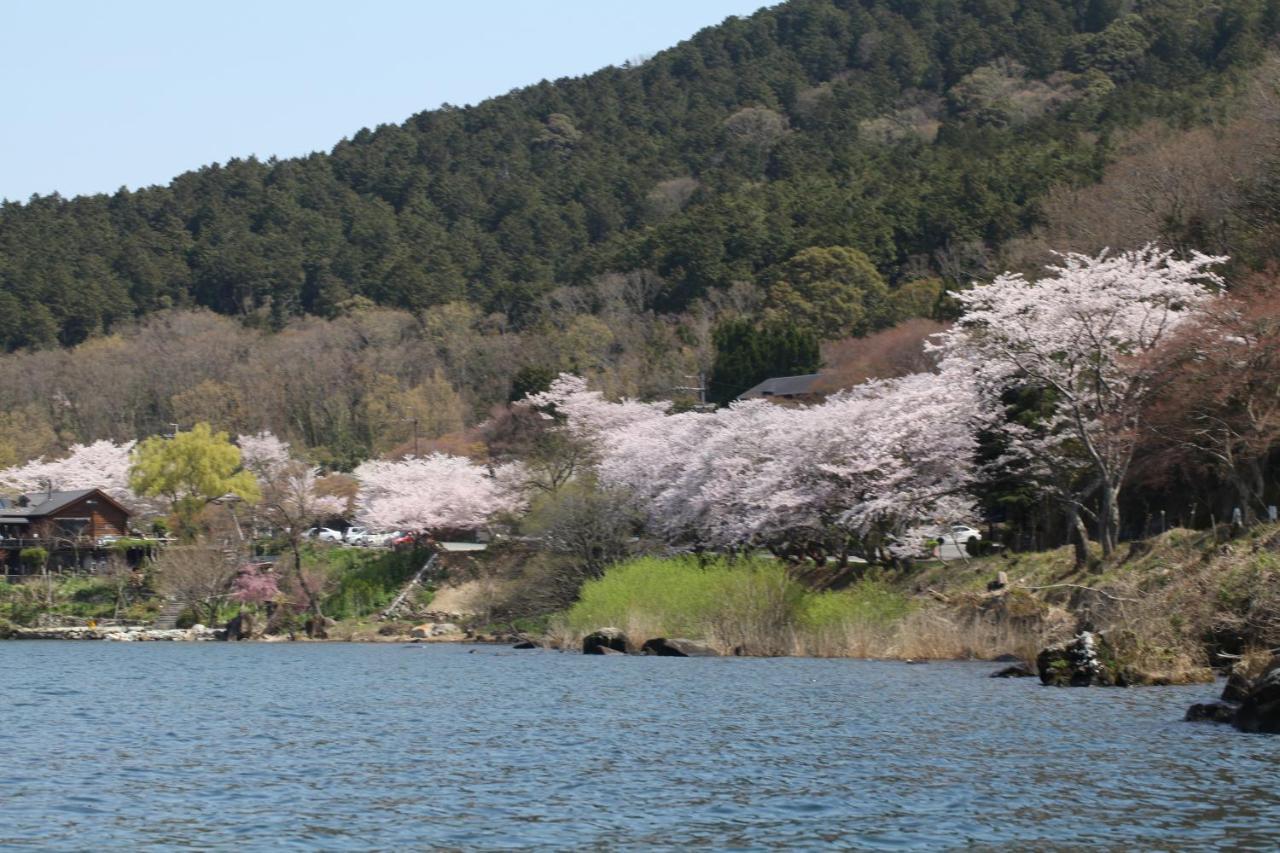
189, 470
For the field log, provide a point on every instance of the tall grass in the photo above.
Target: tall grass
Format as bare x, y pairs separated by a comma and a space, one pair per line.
748, 605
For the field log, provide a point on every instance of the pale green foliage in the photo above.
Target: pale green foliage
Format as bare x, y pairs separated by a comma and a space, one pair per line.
868, 602
833, 292
191, 469
678, 597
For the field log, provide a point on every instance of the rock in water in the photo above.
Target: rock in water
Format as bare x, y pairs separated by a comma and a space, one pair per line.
605, 638
1018, 670
1213, 712
525, 644
678, 648
1260, 710
1238, 684
1086, 661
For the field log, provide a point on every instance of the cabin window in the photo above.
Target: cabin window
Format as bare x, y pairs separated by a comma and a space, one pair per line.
71, 528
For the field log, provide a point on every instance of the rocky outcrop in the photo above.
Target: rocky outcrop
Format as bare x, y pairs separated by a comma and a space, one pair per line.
1116, 659
1238, 685
1260, 709
1251, 700
599, 640
1086, 661
675, 647
435, 630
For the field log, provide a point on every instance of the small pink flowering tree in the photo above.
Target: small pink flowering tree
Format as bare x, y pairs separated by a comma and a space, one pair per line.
292, 500
254, 585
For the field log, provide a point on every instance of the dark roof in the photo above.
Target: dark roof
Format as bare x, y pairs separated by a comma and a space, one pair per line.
42, 504
782, 386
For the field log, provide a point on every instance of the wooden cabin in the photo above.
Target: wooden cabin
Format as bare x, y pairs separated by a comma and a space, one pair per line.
67, 524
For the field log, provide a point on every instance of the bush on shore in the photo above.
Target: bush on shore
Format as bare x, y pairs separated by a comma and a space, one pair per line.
749, 604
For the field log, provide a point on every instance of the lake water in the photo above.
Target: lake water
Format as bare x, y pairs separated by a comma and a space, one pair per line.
339, 746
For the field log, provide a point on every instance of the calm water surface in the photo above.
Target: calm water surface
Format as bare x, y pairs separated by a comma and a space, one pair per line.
339, 746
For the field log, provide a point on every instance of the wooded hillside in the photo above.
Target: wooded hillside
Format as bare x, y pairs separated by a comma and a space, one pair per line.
923, 134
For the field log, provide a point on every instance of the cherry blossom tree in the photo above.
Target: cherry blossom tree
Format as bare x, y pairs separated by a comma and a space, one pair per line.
1079, 335
855, 473
436, 492
292, 500
586, 414
102, 464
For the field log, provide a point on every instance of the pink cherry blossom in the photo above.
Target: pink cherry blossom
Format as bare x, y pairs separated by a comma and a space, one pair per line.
435, 492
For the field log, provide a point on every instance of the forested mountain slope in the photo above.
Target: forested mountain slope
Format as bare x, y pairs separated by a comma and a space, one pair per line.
907, 129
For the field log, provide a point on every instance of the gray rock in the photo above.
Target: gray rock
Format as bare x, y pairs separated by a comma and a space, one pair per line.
1238, 685
605, 638
1018, 670
1260, 710
1212, 712
1086, 661
678, 648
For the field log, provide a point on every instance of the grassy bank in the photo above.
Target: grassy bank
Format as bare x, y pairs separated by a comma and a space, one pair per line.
1176, 602
752, 605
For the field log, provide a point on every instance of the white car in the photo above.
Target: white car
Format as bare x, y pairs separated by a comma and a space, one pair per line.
356, 535
962, 534
324, 534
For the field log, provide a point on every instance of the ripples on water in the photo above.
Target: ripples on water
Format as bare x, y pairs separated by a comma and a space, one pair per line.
374, 746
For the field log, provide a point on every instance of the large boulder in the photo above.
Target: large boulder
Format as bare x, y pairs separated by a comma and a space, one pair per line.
1017, 670
1213, 712
1117, 659
597, 641
243, 626
1260, 710
674, 647
1086, 661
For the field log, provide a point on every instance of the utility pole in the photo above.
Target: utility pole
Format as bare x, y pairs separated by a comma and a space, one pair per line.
414, 421
700, 389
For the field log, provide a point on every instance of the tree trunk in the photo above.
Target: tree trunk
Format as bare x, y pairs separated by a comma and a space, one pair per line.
1079, 534
1109, 519
313, 603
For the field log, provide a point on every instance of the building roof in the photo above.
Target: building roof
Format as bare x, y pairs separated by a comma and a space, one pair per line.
42, 504
782, 386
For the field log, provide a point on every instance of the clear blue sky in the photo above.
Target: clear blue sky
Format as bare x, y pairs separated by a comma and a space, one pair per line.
97, 95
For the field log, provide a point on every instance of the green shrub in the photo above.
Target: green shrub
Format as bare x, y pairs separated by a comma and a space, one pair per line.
869, 602
676, 596
33, 559
752, 604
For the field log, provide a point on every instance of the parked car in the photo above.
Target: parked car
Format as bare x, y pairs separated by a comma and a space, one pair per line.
356, 535
962, 534
381, 539
324, 534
